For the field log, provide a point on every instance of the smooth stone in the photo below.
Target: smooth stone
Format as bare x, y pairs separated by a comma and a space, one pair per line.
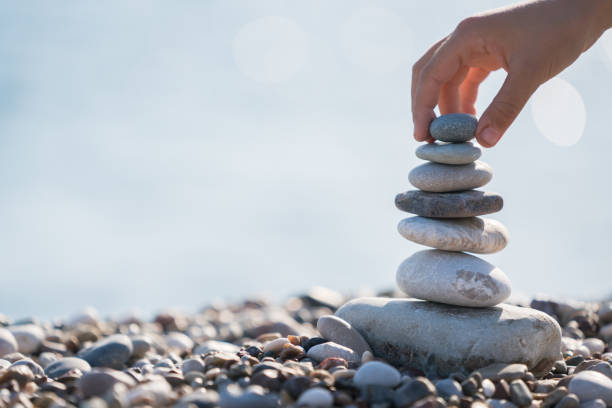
100, 380
501, 403
341, 332
508, 372
215, 345
444, 178
449, 153
62, 366
401, 331
589, 385
377, 373
156, 392
449, 205
141, 345
594, 345
193, 364
8, 343
316, 397
276, 345
28, 336
520, 394
112, 352
4, 364
34, 367
200, 398
448, 387
179, 342
596, 403
478, 235
454, 127
253, 397
488, 388
323, 351
414, 390
569, 401
453, 278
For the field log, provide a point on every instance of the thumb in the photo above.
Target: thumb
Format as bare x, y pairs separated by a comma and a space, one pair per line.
505, 107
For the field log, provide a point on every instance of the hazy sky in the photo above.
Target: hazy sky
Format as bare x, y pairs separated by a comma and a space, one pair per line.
162, 153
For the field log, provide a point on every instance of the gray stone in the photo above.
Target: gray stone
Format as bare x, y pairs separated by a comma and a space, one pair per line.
330, 349
449, 153
594, 345
28, 336
453, 278
501, 403
414, 390
339, 331
254, 396
316, 397
449, 205
62, 366
34, 367
215, 345
192, 364
508, 372
401, 331
596, 403
8, 343
454, 127
448, 387
200, 398
444, 178
589, 385
569, 401
481, 236
4, 364
377, 373
141, 345
111, 352
101, 380
520, 394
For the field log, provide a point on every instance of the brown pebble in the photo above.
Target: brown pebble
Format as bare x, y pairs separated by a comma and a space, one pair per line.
295, 340
332, 362
292, 352
502, 390
554, 397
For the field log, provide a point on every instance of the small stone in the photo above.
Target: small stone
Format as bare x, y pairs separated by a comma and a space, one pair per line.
481, 336
330, 349
508, 372
8, 343
377, 373
141, 345
200, 399
482, 236
596, 403
414, 390
445, 178
179, 342
554, 397
469, 387
100, 380
463, 204
448, 387
193, 364
594, 345
214, 345
569, 401
275, 346
268, 379
449, 153
295, 386
501, 403
452, 278
520, 394
253, 396
34, 367
341, 332
313, 341
454, 127
574, 361
28, 336
111, 352
488, 388
367, 356
62, 366
588, 385
156, 392
316, 397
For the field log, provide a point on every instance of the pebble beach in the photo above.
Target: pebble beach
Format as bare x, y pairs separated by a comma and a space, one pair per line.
296, 354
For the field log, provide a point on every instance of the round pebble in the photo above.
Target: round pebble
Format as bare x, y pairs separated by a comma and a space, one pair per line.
589, 385
454, 127
444, 178
377, 373
316, 397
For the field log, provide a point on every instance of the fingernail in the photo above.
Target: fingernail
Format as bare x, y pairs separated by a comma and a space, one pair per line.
490, 136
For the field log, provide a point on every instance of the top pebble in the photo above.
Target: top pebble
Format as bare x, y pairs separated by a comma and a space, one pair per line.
454, 127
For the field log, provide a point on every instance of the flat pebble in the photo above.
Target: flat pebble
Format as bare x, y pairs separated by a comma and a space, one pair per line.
452, 278
481, 236
444, 178
62, 366
316, 397
449, 205
377, 373
112, 352
454, 127
449, 153
520, 394
341, 332
501, 371
28, 337
215, 345
8, 343
330, 349
588, 385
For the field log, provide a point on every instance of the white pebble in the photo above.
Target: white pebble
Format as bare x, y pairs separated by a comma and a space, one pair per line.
595, 345
325, 350
316, 397
488, 388
275, 345
583, 351
179, 341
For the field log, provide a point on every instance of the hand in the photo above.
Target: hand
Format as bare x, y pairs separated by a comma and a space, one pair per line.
532, 41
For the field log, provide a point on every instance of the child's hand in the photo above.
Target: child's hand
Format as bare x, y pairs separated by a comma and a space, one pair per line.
532, 41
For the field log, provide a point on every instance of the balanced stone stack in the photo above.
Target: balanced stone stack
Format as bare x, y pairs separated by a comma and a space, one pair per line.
457, 321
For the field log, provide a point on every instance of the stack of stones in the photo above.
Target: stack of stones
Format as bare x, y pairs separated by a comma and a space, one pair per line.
455, 319
447, 210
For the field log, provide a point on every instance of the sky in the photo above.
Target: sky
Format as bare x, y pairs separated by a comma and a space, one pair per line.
158, 154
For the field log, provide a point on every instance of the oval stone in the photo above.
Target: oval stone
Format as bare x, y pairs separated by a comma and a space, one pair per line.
62, 366
449, 205
453, 278
481, 236
449, 153
112, 351
454, 127
444, 178
441, 339
338, 331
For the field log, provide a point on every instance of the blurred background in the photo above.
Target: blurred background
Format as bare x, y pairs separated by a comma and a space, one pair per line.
162, 153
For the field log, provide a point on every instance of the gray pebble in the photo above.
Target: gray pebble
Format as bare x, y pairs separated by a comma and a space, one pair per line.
111, 352
330, 349
8, 343
454, 127
448, 387
377, 373
449, 153
339, 331
520, 394
588, 385
414, 390
569, 401
62, 366
444, 178
449, 205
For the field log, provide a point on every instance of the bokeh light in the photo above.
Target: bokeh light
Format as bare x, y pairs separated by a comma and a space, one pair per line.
376, 40
559, 112
271, 49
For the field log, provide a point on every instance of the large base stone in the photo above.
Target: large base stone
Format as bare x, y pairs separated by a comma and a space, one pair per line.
441, 339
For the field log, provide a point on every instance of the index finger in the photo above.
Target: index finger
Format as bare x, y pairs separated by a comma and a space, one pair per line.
441, 68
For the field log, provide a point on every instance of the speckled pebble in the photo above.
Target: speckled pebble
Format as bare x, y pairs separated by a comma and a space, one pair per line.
449, 153
444, 178
454, 127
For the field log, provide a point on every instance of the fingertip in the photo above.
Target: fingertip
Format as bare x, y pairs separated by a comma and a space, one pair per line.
488, 137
